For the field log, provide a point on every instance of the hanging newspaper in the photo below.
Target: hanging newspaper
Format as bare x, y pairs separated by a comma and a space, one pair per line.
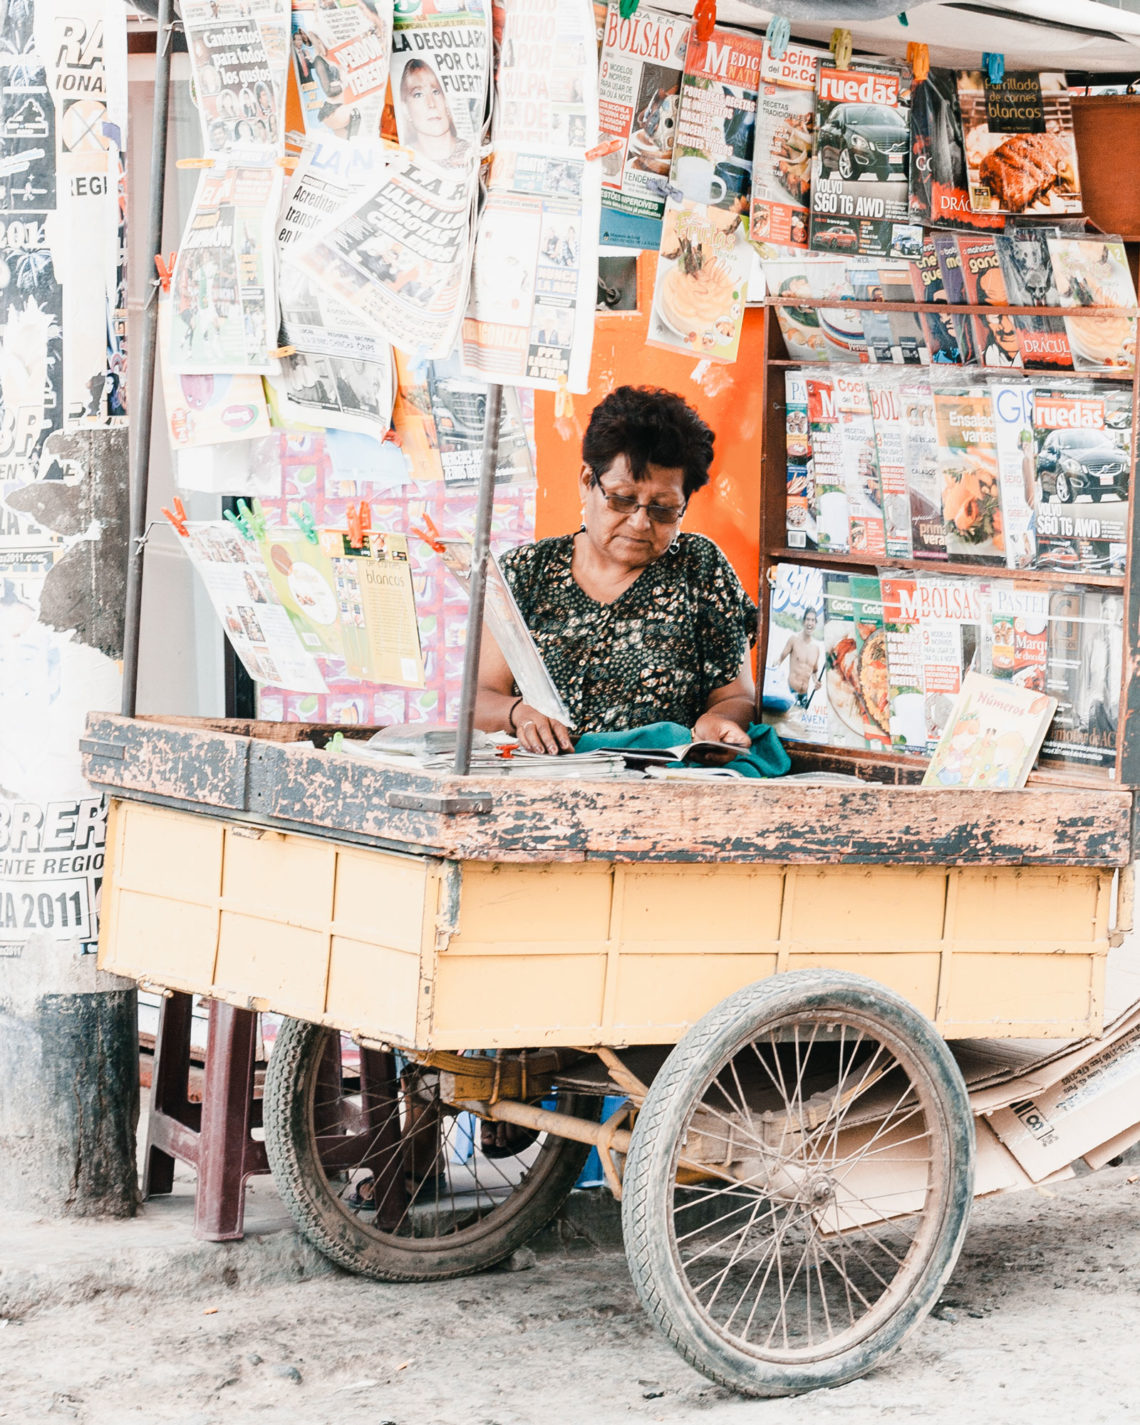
441, 68
639, 91
401, 255
702, 274
258, 627
239, 56
534, 280
205, 409
339, 371
223, 289
340, 57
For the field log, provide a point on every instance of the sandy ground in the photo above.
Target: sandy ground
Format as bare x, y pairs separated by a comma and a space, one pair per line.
1039, 1324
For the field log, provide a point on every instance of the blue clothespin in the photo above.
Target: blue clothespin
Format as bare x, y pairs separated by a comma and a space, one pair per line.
902, 18
303, 519
238, 522
994, 65
779, 33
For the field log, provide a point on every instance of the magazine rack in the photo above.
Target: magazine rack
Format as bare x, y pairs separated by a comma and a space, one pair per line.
899, 767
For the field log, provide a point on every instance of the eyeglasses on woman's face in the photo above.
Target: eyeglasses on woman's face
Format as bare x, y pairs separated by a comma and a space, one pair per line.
630, 504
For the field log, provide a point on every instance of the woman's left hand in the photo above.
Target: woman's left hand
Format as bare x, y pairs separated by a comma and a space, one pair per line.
715, 727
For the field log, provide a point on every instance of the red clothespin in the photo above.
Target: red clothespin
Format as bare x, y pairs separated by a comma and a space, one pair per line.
394, 436
430, 535
177, 518
704, 18
359, 523
601, 149
165, 269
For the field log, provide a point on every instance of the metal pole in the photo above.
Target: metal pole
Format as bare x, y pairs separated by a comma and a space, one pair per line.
478, 591
142, 398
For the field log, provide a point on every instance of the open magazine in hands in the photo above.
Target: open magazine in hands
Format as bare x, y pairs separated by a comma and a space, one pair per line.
508, 626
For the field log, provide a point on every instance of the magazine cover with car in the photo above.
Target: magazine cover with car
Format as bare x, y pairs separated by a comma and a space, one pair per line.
859, 187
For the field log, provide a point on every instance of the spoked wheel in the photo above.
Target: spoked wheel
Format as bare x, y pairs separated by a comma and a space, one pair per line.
391, 1182
798, 1182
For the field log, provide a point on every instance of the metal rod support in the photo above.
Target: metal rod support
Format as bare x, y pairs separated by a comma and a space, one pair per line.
141, 398
477, 593
562, 1125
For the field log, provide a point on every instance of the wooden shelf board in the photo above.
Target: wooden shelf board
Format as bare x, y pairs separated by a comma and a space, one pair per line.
1064, 373
1054, 578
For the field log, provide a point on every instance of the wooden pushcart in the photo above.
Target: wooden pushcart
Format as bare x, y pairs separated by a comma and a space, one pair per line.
766, 976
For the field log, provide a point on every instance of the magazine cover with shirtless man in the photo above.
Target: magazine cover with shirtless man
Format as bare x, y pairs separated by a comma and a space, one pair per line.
794, 698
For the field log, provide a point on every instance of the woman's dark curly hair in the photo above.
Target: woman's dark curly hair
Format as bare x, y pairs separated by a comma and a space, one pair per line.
649, 426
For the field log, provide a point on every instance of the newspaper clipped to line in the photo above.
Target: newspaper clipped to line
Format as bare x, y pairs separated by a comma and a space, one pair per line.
255, 623
222, 286
208, 409
509, 630
340, 371
638, 102
400, 256
239, 57
340, 58
530, 321
441, 69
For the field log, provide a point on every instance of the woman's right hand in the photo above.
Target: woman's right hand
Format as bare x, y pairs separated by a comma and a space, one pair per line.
538, 733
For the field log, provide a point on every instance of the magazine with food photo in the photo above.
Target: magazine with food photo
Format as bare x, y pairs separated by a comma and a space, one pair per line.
871, 649
939, 183
1020, 152
856, 677
859, 196
1091, 272
781, 163
802, 277
968, 468
794, 699
1020, 622
1083, 439
992, 737
801, 531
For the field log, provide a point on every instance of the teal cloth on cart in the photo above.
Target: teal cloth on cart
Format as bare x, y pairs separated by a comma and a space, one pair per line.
766, 759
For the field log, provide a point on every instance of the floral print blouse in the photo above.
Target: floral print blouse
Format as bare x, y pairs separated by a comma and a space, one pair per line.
681, 630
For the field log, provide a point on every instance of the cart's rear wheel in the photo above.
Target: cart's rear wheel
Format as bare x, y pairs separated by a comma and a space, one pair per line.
769, 1173
391, 1182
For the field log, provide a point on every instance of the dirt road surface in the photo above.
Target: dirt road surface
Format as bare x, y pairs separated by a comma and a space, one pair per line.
1039, 1324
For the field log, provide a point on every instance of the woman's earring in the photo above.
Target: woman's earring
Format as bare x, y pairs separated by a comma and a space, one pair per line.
582, 526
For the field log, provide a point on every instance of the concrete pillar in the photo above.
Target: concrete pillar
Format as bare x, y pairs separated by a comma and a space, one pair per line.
68, 1035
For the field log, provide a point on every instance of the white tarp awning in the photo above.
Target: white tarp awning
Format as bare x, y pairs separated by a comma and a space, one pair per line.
1032, 34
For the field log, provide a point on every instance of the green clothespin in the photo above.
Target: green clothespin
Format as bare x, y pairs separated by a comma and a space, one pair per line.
303, 519
335, 742
238, 522
254, 517
627, 8
902, 18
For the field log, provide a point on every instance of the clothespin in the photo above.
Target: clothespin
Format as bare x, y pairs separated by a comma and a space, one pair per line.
254, 518
282, 351
393, 436
627, 8
165, 269
704, 19
303, 519
429, 534
194, 163
288, 162
238, 523
563, 401
994, 65
359, 523
903, 19
177, 517
779, 33
601, 149
918, 57
840, 47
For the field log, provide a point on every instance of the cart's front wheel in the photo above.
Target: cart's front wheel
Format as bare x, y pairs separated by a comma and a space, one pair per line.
390, 1181
798, 1182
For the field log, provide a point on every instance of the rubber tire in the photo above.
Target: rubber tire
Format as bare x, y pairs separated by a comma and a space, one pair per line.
1064, 488
647, 1185
845, 156
300, 1180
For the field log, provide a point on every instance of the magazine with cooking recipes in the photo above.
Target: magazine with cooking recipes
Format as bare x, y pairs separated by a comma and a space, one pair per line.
860, 467
992, 736
1083, 451
801, 531
1024, 257
833, 532
920, 441
1019, 617
890, 451
1094, 272
781, 161
995, 333
902, 627
1012, 403
1020, 153
926, 285
939, 182
871, 652
845, 721
859, 196
793, 695
953, 284
802, 276
1085, 648
952, 612
968, 469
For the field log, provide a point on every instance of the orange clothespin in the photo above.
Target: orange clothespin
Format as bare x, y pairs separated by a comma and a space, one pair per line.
563, 401
704, 18
601, 149
165, 269
177, 518
393, 435
918, 57
429, 534
359, 523
195, 163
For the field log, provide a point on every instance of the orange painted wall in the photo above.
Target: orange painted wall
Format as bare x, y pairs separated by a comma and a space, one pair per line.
728, 397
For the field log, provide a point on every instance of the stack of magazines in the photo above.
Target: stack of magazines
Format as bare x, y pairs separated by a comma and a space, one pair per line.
430, 747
